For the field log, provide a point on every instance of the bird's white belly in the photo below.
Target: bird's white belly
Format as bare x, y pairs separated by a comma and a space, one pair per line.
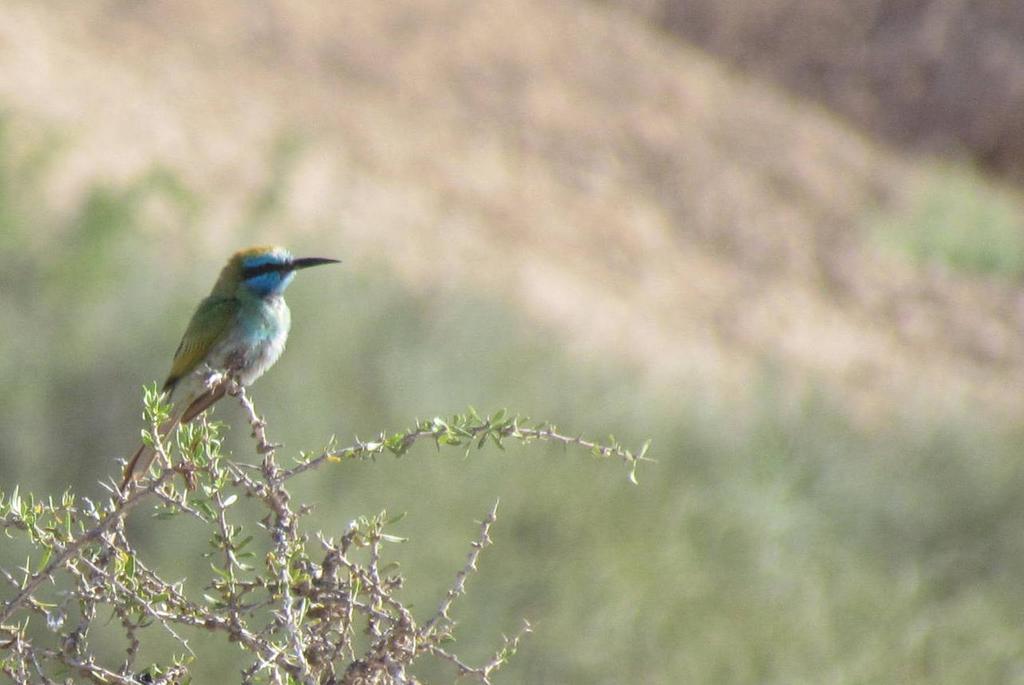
255, 342
247, 360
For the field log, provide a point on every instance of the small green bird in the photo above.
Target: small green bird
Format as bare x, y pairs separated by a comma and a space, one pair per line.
240, 329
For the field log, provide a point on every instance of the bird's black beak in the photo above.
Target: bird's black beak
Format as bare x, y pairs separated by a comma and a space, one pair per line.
306, 262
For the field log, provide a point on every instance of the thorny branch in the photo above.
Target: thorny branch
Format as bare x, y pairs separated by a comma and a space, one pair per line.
459, 587
297, 609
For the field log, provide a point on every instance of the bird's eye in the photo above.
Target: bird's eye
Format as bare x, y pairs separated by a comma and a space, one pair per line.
260, 269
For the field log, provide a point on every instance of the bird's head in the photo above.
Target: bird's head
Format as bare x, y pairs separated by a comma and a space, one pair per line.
262, 271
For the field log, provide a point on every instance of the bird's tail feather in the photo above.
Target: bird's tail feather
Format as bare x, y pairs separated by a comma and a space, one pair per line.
203, 402
143, 457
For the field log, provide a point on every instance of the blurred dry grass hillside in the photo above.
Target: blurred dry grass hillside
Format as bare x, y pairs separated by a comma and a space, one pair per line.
561, 208
566, 156
940, 75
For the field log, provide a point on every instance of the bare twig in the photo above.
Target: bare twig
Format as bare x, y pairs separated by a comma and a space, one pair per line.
458, 588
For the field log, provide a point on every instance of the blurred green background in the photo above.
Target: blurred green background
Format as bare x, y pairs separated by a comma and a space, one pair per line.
568, 210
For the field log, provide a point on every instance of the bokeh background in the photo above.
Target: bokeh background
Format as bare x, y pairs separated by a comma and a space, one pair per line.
783, 239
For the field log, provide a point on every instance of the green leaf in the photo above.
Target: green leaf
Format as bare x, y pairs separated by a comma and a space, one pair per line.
47, 554
204, 507
396, 518
128, 565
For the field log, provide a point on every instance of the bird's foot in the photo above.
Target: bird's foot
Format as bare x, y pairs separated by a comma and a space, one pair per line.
212, 378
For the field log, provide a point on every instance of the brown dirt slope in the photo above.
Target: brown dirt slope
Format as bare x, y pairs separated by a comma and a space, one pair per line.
631, 193
943, 75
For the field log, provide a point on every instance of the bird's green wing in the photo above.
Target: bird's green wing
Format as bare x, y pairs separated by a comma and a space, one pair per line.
210, 322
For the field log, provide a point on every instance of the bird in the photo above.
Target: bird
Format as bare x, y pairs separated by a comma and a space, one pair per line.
239, 330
